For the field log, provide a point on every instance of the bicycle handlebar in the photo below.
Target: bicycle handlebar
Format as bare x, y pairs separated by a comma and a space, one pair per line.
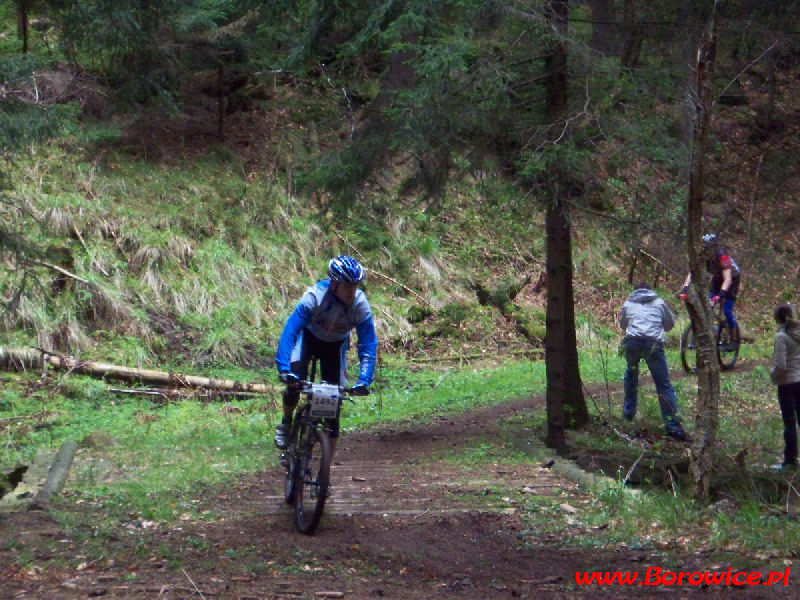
713, 304
306, 387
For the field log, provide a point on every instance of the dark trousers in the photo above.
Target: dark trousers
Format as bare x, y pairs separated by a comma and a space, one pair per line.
652, 353
330, 359
789, 400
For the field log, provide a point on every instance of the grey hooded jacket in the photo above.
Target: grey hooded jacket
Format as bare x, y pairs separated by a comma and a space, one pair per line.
646, 316
786, 357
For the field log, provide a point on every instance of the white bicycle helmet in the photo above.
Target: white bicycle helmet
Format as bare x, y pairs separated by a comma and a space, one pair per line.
709, 239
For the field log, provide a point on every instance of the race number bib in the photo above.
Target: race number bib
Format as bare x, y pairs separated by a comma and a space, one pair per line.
325, 401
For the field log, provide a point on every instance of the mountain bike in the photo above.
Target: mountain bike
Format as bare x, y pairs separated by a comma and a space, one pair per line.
726, 349
307, 457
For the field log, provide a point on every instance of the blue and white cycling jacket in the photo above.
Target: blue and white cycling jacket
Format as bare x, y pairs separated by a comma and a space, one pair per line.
330, 320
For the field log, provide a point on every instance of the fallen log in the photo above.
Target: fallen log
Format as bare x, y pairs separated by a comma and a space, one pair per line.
172, 380
166, 394
56, 477
24, 359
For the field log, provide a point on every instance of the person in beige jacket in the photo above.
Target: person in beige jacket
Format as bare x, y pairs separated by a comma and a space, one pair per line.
785, 374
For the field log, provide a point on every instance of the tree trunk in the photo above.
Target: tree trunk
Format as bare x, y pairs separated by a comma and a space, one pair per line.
702, 455
768, 109
555, 64
605, 39
566, 406
22, 23
633, 37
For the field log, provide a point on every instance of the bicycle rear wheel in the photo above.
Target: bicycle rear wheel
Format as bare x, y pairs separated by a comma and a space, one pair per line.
311, 478
727, 350
689, 350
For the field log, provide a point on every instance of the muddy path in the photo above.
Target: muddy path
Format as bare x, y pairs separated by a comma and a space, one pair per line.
403, 521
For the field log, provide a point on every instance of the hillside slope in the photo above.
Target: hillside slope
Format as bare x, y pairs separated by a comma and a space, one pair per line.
159, 243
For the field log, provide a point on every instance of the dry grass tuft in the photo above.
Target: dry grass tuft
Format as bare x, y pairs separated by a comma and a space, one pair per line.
59, 221
66, 337
181, 250
144, 258
151, 279
105, 310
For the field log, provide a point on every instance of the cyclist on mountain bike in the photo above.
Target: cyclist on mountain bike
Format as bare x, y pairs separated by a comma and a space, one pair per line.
320, 327
725, 276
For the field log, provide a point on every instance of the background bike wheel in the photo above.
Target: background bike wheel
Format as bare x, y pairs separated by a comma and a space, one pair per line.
688, 351
311, 481
727, 351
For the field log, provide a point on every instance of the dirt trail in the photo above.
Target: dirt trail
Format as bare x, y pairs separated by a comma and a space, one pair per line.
403, 522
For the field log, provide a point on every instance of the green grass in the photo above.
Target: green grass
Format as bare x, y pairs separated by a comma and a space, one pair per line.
193, 267
204, 247
165, 454
662, 520
403, 395
753, 522
164, 451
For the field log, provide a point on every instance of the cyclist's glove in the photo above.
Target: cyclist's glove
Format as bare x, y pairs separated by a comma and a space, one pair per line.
359, 389
289, 378
683, 293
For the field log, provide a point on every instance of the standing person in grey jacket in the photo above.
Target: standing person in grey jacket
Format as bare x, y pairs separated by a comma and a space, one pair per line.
645, 317
786, 374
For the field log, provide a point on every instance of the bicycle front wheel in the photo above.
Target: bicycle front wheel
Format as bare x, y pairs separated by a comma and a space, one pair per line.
289, 459
727, 349
689, 350
312, 478
290, 456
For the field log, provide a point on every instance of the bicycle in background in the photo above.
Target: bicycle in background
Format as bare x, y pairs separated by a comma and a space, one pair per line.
727, 350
